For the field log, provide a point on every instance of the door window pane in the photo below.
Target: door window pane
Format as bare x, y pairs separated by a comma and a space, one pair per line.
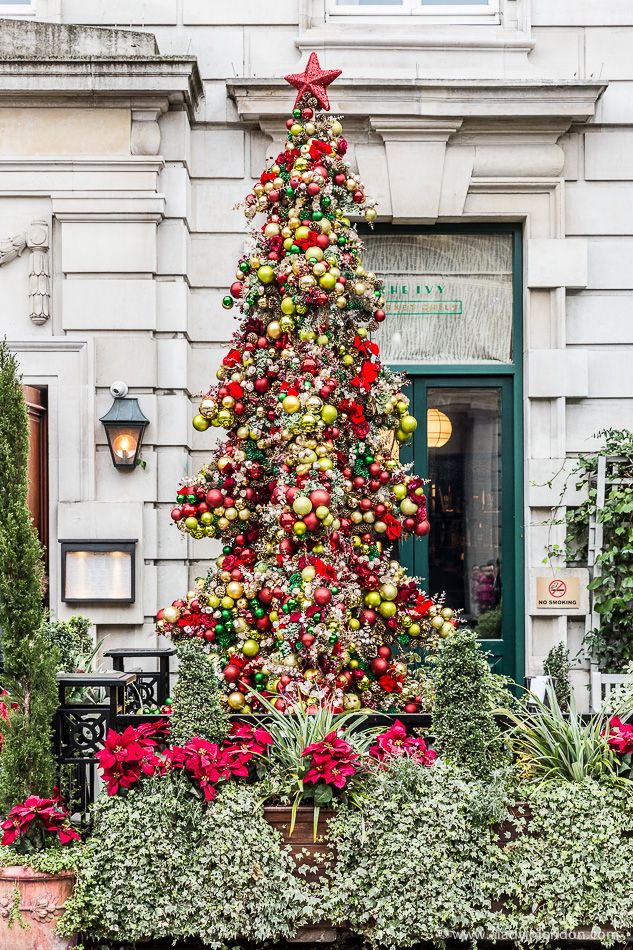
449, 296
464, 453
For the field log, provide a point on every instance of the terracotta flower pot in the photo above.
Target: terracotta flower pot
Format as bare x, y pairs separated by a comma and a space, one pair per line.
29, 924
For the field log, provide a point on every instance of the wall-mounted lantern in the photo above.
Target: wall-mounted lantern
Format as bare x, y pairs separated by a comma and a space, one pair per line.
124, 423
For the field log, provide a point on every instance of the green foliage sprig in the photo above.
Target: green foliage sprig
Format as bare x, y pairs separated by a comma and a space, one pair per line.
466, 693
30, 660
557, 665
73, 641
196, 709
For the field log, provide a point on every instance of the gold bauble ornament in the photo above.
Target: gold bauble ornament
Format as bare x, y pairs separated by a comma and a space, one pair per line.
236, 700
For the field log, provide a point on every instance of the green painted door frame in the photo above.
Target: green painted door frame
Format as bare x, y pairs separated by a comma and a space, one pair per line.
508, 654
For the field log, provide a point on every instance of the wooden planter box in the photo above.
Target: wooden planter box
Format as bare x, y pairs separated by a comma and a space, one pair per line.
31, 903
305, 850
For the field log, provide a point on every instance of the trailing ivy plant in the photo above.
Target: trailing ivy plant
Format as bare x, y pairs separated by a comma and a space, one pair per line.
428, 864
196, 709
412, 867
30, 660
612, 643
161, 864
466, 693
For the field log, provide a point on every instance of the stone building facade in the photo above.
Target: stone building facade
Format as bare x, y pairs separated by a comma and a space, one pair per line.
130, 128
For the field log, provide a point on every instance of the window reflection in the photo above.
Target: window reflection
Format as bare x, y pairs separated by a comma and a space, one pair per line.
465, 503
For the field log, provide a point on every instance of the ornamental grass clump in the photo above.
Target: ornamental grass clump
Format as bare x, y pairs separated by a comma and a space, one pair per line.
552, 746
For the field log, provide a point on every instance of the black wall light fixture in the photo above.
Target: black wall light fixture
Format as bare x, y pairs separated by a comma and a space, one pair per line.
125, 424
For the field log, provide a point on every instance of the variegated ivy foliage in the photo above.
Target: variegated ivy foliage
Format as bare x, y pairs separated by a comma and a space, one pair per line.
161, 865
429, 840
422, 863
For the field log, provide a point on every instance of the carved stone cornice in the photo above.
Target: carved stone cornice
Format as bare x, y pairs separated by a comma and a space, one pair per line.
518, 101
102, 81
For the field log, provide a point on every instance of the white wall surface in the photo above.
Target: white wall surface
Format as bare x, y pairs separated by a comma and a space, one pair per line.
141, 285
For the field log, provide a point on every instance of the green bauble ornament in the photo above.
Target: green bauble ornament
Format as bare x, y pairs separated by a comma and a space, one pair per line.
227, 302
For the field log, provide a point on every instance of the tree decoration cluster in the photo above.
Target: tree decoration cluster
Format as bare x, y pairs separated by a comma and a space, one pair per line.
306, 492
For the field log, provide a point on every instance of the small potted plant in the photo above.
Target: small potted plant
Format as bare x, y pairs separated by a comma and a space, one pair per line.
34, 878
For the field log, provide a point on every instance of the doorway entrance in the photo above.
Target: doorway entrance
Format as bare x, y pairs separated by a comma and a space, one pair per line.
464, 447
454, 298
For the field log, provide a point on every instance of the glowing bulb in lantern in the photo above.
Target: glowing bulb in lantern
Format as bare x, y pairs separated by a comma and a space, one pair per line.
439, 428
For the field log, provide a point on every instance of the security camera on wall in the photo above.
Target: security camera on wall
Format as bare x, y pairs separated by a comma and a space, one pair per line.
119, 389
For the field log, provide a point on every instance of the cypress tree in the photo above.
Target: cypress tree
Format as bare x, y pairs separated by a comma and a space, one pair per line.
27, 765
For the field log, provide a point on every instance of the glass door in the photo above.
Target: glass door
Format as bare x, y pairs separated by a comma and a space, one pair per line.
464, 446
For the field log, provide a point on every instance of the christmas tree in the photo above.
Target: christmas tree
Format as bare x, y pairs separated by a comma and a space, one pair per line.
306, 491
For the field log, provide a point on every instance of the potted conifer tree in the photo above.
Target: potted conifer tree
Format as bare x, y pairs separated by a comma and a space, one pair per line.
34, 877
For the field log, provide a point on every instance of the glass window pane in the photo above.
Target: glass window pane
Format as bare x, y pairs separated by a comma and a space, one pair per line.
449, 296
453, 3
369, 3
464, 450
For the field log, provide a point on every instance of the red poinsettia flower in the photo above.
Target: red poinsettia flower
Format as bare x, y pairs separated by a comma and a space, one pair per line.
394, 528
332, 772
46, 815
332, 747
395, 742
388, 683
620, 736
243, 737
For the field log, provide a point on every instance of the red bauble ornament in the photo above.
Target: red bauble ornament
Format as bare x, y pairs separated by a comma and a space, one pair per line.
311, 521
379, 316
236, 289
215, 498
422, 529
322, 596
231, 673
262, 385
379, 666
411, 708
320, 498
176, 514
384, 651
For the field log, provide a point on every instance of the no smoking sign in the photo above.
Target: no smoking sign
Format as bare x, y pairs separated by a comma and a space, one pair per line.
554, 593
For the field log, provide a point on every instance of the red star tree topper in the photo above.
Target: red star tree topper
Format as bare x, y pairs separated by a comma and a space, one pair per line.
313, 81
306, 493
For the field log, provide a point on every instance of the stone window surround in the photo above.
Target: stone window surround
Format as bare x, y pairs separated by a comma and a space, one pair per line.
486, 10
322, 29
484, 151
